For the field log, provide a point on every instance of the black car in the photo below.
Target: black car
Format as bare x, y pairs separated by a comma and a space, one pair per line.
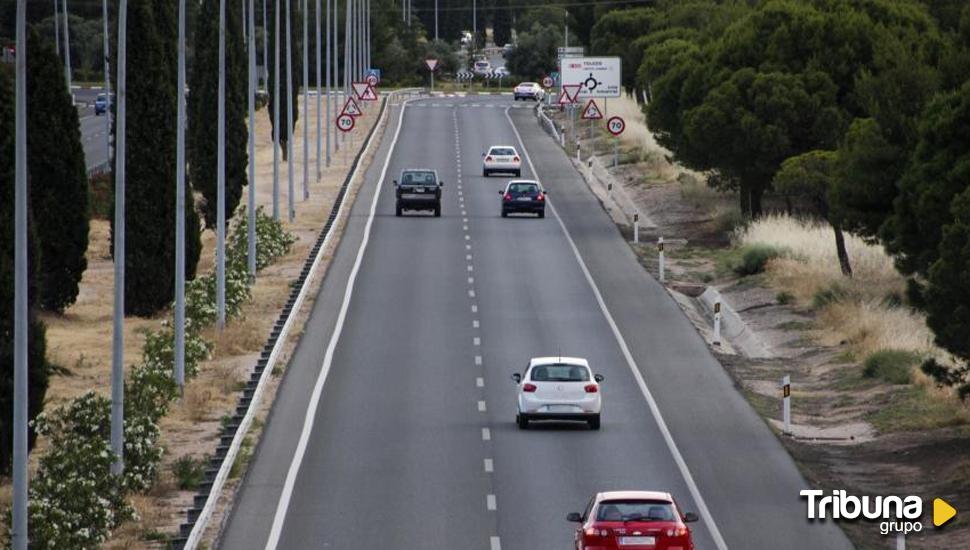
418, 189
523, 196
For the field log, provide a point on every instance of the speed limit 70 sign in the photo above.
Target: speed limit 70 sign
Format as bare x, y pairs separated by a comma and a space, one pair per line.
615, 125
345, 123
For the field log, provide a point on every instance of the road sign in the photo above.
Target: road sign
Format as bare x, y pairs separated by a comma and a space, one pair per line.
570, 51
359, 89
431, 63
596, 76
369, 94
547, 82
592, 111
372, 80
351, 108
571, 91
464, 75
563, 98
615, 125
375, 72
345, 123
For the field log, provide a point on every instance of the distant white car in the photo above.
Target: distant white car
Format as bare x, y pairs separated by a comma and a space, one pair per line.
502, 159
558, 388
482, 66
528, 90
501, 71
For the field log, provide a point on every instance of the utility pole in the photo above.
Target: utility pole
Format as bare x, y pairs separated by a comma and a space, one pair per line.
328, 81
251, 207
18, 533
289, 110
57, 28
118, 335
276, 114
475, 23
306, 106
335, 38
67, 52
436, 20
180, 211
316, 13
348, 68
221, 177
265, 48
107, 78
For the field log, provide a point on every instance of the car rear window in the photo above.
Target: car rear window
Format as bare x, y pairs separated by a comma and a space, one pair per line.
502, 151
418, 178
560, 373
528, 84
635, 510
481, 63
523, 188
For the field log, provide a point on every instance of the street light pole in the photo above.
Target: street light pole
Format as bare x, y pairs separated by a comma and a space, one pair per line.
180, 209
107, 78
57, 28
19, 526
118, 334
276, 114
316, 13
251, 207
221, 177
67, 52
328, 80
289, 111
335, 38
436, 20
306, 105
265, 48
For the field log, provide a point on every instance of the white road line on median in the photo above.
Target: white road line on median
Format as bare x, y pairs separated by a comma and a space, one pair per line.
463, 213
489, 466
486, 434
471, 280
471, 293
479, 382
474, 308
631, 362
482, 406
475, 323
464, 228
478, 360
490, 503
281, 508
477, 341
494, 543
471, 267
468, 257
468, 247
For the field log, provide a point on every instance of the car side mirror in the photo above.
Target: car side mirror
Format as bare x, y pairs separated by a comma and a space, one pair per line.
501, 191
441, 184
395, 183
517, 377
574, 517
690, 517
483, 155
598, 377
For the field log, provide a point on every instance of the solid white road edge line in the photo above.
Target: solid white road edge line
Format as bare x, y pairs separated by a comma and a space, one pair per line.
654, 408
280, 517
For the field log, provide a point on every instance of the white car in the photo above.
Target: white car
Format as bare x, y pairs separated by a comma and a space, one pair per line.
481, 67
528, 90
502, 159
558, 388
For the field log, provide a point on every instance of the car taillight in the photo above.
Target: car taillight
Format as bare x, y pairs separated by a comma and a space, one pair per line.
515, 159
488, 158
591, 388
540, 197
529, 388
678, 531
597, 532
508, 196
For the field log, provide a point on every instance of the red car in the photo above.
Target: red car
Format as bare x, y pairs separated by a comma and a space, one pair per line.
633, 520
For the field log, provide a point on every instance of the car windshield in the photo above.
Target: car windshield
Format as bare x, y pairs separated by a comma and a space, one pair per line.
635, 510
560, 373
502, 151
418, 178
523, 188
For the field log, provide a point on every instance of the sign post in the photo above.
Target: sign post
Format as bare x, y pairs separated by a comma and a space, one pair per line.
432, 65
636, 227
786, 403
615, 125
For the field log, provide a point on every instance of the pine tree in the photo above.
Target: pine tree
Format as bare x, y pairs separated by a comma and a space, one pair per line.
296, 51
38, 367
203, 114
502, 23
58, 178
150, 162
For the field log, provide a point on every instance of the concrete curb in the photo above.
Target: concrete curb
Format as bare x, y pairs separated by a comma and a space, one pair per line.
733, 328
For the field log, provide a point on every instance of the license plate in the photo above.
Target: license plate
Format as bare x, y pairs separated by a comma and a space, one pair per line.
412, 196
638, 541
417, 189
524, 199
561, 408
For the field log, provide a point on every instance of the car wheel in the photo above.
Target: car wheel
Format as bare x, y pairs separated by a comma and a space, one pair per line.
542, 213
594, 422
437, 211
522, 421
518, 173
505, 214
397, 211
484, 173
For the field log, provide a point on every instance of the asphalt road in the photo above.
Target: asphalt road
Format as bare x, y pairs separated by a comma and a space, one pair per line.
413, 443
93, 128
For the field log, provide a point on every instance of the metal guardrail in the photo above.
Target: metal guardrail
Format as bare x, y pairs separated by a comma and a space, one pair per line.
547, 124
230, 439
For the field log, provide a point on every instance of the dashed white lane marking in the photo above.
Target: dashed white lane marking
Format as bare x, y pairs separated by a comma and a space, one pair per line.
477, 341
471, 280
494, 543
489, 466
471, 267
464, 228
481, 406
490, 503
478, 359
471, 293
463, 212
475, 323
468, 237
468, 247
480, 383
468, 257
486, 434
474, 308
464, 220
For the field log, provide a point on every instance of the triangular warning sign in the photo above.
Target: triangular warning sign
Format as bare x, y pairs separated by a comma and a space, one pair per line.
351, 108
359, 89
431, 63
563, 98
592, 111
369, 94
572, 92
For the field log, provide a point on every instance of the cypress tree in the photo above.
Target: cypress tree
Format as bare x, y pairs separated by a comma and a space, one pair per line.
203, 114
38, 367
150, 162
296, 51
55, 160
502, 23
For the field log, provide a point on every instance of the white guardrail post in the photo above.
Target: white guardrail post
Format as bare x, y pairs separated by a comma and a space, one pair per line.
636, 227
786, 404
900, 541
660, 268
717, 323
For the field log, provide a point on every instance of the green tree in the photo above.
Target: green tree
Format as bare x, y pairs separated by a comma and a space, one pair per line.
38, 368
150, 163
59, 183
296, 57
947, 294
938, 172
811, 177
502, 23
614, 34
535, 53
203, 114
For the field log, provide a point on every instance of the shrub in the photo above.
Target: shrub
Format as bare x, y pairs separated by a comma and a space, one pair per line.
200, 295
784, 298
149, 391
160, 345
829, 295
948, 377
892, 365
272, 241
99, 196
188, 472
754, 258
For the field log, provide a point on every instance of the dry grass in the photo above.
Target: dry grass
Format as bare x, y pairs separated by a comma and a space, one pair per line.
197, 402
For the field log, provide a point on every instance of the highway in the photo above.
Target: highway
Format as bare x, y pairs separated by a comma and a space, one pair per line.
92, 128
412, 442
